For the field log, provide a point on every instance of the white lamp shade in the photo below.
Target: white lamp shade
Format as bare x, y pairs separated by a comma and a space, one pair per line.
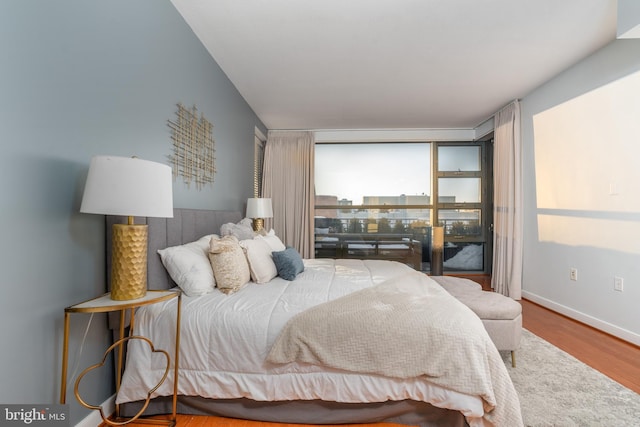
128, 186
259, 208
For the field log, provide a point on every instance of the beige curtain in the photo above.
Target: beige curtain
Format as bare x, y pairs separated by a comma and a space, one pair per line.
507, 216
288, 181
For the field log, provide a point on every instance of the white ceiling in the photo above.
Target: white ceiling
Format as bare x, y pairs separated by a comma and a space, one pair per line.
361, 64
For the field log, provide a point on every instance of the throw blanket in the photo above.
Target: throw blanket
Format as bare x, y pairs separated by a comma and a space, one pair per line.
405, 327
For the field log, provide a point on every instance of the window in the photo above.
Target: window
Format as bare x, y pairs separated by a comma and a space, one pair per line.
463, 205
379, 200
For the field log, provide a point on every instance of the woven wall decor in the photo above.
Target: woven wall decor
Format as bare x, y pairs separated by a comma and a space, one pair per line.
193, 148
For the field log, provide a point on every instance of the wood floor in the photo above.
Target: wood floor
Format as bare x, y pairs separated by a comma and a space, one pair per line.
615, 358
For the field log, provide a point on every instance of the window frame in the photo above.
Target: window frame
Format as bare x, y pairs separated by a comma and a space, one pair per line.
485, 205
428, 206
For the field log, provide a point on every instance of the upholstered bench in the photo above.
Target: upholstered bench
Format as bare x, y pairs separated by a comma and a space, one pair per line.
501, 315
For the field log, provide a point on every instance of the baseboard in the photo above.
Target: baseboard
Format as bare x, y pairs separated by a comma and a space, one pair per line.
94, 419
607, 327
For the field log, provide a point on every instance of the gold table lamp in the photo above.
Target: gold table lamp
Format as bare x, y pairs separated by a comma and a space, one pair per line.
258, 209
130, 187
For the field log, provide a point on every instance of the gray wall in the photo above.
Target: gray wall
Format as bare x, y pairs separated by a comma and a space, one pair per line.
80, 78
581, 138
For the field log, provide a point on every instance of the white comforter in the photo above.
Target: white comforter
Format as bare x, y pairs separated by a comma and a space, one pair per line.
406, 327
225, 340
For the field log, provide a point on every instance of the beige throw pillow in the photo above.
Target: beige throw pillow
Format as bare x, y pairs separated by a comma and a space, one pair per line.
229, 264
261, 264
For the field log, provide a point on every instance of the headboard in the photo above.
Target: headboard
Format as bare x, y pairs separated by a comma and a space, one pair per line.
187, 225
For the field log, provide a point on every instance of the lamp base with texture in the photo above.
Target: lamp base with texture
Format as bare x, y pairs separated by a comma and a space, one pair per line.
129, 262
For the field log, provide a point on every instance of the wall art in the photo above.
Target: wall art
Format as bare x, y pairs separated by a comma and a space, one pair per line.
193, 155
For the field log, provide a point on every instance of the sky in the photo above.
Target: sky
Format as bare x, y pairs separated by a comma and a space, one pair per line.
351, 171
348, 171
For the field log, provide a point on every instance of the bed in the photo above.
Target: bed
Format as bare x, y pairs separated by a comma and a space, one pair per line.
252, 353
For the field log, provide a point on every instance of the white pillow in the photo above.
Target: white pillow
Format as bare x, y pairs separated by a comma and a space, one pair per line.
258, 254
273, 241
189, 266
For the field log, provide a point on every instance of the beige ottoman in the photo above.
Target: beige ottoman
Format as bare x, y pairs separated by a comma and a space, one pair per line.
501, 315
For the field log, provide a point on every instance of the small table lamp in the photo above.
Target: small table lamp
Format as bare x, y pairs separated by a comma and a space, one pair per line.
258, 209
130, 187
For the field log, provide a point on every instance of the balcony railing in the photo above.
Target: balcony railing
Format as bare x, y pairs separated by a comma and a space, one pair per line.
396, 247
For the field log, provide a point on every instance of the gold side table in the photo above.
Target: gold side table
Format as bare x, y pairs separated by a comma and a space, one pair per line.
105, 304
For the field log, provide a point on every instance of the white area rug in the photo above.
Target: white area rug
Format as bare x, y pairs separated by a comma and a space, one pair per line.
558, 390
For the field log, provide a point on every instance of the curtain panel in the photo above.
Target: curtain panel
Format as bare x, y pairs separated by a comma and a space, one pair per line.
288, 180
508, 216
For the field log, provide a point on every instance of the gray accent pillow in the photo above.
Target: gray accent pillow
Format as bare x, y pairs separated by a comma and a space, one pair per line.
288, 263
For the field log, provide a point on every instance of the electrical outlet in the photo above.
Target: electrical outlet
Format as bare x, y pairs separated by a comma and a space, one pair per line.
618, 283
573, 274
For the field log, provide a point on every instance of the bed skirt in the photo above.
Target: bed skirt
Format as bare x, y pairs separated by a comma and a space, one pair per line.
408, 412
